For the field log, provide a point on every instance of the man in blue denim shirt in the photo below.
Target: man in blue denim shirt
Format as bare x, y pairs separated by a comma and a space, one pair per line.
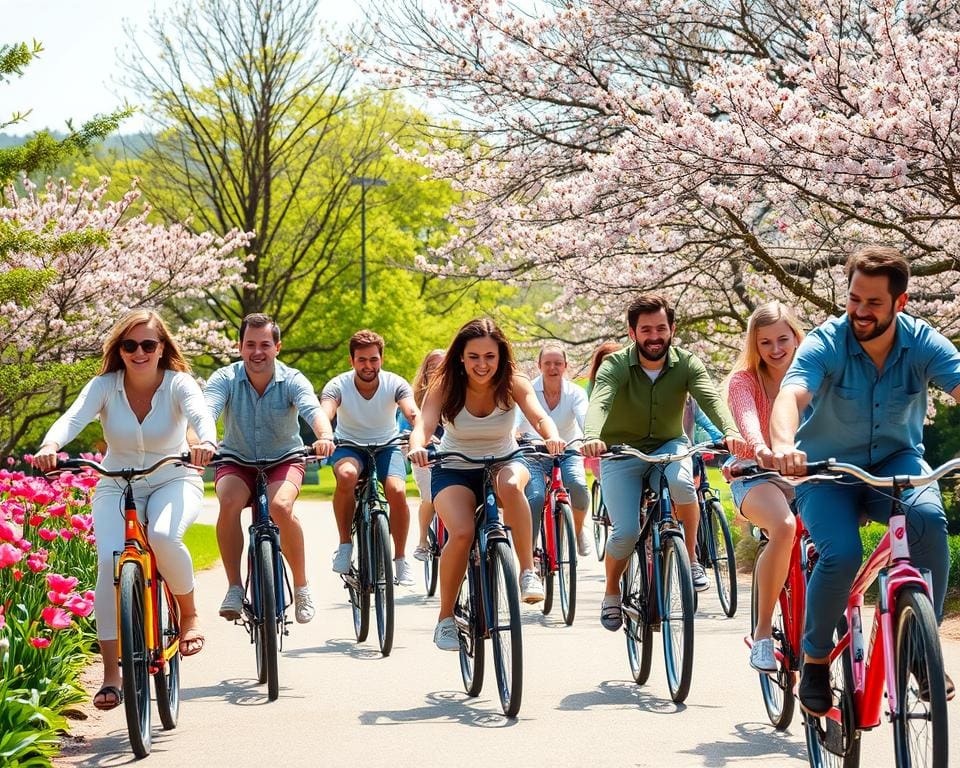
860, 382
260, 400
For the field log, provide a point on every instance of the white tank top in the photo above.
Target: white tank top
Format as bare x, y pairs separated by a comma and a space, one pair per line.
478, 436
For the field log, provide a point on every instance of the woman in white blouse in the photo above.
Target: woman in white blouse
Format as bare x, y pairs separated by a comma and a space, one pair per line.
144, 398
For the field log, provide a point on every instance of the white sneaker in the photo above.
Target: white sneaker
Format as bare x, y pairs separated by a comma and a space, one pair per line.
762, 657
531, 588
700, 582
303, 604
583, 542
342, 558
445, 635
232, 606
402, 572
422, 554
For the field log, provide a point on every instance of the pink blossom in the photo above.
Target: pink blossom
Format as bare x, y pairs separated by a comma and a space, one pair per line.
9, 554
36, 519
66, 534
56, 510
3, 619
25, 545
40, 642
57, 598
60, 583
82, 522
7, 533
78, 606
87, 481
17, 574
46, 534
55, 617
37, 561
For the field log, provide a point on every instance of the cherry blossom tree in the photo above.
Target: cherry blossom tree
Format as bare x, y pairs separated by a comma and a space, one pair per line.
723, 152
84, 260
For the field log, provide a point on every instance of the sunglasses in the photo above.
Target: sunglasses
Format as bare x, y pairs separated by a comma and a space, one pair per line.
148, 345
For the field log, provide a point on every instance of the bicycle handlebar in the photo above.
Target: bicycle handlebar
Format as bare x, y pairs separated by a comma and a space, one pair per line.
816, 468
622, 451
127, 473
437, 457
225, 457
372, 447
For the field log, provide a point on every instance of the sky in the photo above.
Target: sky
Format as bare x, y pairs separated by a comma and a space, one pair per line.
77, 75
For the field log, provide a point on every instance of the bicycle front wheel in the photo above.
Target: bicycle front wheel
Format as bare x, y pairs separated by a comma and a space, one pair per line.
920, 732
383, 583
636, 625
723, 556
566, 562
265, 626
166, 681
135, 657
600, 530
503, 592
677, 616
431, 566
357, 588
466, 614
775, 687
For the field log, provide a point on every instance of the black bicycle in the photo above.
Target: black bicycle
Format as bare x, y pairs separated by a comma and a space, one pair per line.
714, 542
657, 588
267, 590
371, 571
600, 519
488, 605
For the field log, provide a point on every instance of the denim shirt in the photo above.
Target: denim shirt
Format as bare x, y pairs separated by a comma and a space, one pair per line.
257, 427
859, 414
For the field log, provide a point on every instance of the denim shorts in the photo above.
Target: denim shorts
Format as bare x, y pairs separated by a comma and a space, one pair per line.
390, 461
741, 485
444, 477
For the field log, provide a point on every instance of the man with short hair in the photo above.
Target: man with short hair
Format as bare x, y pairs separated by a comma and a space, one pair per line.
638, 399
260, 399
857, 392
364, 401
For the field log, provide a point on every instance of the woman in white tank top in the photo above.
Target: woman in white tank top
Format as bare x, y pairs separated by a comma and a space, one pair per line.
475, 395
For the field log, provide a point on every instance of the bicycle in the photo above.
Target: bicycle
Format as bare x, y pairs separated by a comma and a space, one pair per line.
147, 616
903, 655
371, 571
556, 550
267, 589
657, 587
600, 519
488, 604
714, 542
436, 538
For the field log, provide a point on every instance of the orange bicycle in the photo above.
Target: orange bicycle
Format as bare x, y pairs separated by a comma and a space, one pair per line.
147, 616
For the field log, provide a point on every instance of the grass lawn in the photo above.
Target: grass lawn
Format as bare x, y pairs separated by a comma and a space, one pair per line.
322, 490
201, 540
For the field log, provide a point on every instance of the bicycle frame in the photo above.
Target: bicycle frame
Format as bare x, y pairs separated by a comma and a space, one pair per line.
556, 494
263, 528
488, 528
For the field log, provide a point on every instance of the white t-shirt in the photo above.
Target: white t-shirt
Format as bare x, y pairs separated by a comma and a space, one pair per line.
478, 436
365, 420
568, 415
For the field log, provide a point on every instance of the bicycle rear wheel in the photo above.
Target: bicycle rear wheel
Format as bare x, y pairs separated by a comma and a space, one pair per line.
135, 658
634, 588
542, 559
775, 687
677, 616
466, 614
383, 583
833, 741
566, 562
504, 595
431, 566
599, 515
723, 556
265, 626
359, 596
920, 731
166, 681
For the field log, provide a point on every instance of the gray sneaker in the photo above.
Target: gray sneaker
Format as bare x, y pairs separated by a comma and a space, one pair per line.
402, 572
342, 558
531, 588
422, 554
762, 657
700, 582
583, 542
303, 604
445, 635
232, 606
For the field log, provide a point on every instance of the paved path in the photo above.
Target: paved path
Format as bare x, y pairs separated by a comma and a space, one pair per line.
341, 704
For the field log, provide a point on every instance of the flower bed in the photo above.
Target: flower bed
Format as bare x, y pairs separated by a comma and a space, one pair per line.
47, 572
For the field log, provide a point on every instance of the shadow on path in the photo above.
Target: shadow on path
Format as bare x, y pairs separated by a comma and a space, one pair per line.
621, 694
443, 706
757, 740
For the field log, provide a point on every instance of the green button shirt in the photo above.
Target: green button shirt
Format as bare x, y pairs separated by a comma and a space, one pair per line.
626, 407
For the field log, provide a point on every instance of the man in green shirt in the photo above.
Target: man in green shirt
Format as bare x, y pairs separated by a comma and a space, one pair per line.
638, 399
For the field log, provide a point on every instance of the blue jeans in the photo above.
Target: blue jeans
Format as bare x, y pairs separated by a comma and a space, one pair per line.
390, 461
831, 513
574, 480
621, 481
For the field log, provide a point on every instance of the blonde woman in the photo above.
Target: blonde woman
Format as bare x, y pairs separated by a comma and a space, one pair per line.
421, 382
144, 398
773, 335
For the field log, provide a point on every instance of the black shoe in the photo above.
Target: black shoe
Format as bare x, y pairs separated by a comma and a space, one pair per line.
814, 691
925, 689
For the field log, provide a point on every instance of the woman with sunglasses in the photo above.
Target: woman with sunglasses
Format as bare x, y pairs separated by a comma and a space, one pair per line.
144, 398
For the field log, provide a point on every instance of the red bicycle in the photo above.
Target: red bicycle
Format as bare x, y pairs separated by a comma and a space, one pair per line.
903, 656
556, 550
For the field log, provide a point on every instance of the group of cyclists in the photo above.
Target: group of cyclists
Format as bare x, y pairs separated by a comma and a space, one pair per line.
854, 388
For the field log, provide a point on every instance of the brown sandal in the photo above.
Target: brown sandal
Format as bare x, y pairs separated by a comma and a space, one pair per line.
191, 642
112, 697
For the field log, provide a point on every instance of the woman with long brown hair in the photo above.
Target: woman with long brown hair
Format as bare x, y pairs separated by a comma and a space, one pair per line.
421, 475
475, 396
144, 398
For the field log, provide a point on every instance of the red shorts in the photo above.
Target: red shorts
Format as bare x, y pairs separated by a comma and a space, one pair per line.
292, 472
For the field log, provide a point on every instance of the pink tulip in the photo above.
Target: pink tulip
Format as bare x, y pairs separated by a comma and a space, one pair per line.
11, 461
66, 534
57, 598
25, 545
28, 457
3, 619
9, 554
56, 510
60, 583
87, 481
7, 533
37, 562
56, 618
46, 534
36, 519
78, 606
82, 522
17, 574
40, 642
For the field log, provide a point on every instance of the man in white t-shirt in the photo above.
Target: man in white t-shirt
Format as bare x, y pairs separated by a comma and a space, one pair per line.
364, 401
